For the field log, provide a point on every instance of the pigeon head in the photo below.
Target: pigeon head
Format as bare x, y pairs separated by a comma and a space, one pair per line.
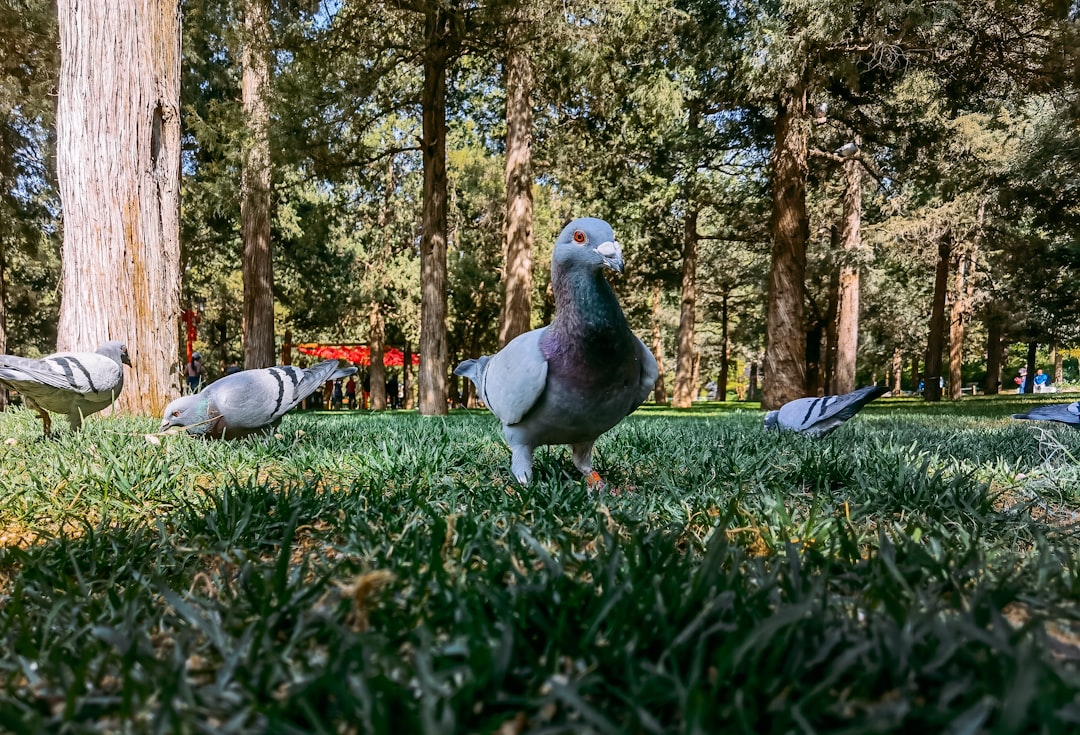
772, 420
192, 412
116, 350
590, 243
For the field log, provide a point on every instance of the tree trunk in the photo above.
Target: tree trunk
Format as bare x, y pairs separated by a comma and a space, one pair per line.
684, 353
376, 350
725, 362
407, 379
517, 280
992, 383
3, 317
118, 165
814, 375
1059, 367
936, 342
965, 284
659, 389
785, 340
897, 372
1029, 380
257, 265
438, 30
842, 377
752, 382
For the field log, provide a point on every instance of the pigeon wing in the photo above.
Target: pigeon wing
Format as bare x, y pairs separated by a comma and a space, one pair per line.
649, 371
80, 373
513, 379
822, 414
1066, 413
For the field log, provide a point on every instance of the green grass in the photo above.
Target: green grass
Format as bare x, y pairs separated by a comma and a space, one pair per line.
916, 571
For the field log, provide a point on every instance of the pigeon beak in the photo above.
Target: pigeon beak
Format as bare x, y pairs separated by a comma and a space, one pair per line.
124, 357
612, 254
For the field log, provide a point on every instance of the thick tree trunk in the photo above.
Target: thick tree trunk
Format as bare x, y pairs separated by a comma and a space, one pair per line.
842, 376
257, 265
407, 391
897, 372
785, 341
752, 382
659, 390
377, 348
958, 317
725, 350
3, 317
936, 342
1029, 381
1059, 367
684, 353
517, 279
992, 383
433, 303
118, 164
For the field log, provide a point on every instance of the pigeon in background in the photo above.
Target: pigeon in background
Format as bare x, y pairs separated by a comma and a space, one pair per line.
75, 384
1065, 413
819, 416
568, 382
249, 401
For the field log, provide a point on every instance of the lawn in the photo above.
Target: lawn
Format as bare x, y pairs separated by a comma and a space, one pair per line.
916, 571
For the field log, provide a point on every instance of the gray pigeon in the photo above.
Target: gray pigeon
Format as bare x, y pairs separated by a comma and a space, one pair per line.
1066, 413
819, 416
75, 384
249, 401
568, 382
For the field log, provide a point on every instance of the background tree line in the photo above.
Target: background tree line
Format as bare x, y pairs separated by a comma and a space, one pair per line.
811, 195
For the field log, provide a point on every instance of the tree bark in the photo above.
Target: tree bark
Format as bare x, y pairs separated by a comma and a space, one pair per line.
958, 318
725, 350
992, 383
1029, 380
407, 401
659, 389
376, 349
936, 341
684, 353
897, 372
257, 264
3, 317
1059, 367
118, 165
785, 340
517, 280
814, 375
438, 30
842, 375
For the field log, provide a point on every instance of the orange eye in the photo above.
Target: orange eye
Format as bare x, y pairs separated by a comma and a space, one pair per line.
175, 413
579, 236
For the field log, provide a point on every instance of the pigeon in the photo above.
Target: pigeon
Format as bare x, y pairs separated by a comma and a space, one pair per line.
1066, 413
819, 416
572, 380
249, 401
75, 384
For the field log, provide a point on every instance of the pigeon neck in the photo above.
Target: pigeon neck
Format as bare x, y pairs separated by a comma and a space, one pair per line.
584, 302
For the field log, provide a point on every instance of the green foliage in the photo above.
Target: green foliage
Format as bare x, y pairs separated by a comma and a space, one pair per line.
915, 571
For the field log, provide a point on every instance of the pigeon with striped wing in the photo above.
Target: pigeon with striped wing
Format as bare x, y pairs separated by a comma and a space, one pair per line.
250, 401
75, 384
818, 416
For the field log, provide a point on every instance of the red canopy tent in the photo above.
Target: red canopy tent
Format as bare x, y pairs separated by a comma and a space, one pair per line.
355, 353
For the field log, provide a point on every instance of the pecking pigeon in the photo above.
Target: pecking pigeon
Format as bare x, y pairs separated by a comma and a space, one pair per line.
75, 384
249, 401
568, 382
1066, 413
819, 416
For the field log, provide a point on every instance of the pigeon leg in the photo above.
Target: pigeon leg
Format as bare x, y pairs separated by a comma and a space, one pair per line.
583, 461
46, 420
75, 419
521, 459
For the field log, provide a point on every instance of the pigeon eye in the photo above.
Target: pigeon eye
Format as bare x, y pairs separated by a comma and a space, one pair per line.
175, 414
579, 236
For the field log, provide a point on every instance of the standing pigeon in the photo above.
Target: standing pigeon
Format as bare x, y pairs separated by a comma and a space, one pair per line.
819, 416
568, 382
1066, 413
75, 384
249, 401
